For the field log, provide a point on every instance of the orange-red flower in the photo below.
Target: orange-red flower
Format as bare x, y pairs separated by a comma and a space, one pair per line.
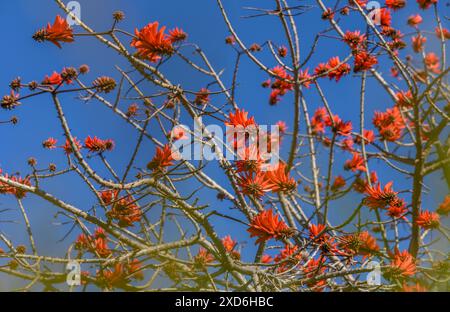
121, 274
428, 220
60, 31
361, 3
240, 118
336, 69
432, 62
403, 265
362, 244
415, 20
124, 209
426, 4
404, 99
418, 42
414, 288
338, 183
395, 4
254, 184
444, 207
355, 39
390, 124
282, 51
202, 258
163, 158
266, 225
249, 159
445, 34
356, 163
397, 209
379, 198
50, 143
364, 61
55, 79
177, 35
229, 245
5, 188
152, 43
317, 233
96, 244
313, 269
202, 97
97, 145
280, 179
68, 148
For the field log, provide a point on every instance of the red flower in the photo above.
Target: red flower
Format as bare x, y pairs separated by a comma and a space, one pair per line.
404, 99
356, 163
362, 244
347, 144
254, 184
152, 43
228, 243
123, 209
230, 40
202, 258
249, 159
96, 244
417, 43
55, 79
379, 198
317, 233
361, 3
282, 51
364, 61
266, 259
397, 209
385, 17
265, 225
339, 182
337, 69
177, 34
403, 265
445, 34
280, 179
282, 126
97, 145
340, 127
240, 118
202, 97
305, 77
12, 190
369, 137
414, 20
354, 39
163, 158
318, 120
432, 62
428, 220
444, 208
68, 148
390, 124
395, 4
60, 31
50, 143
315, 268
425, 4
414, 288
178, 133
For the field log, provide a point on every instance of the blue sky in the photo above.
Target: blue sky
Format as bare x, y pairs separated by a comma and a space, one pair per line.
201, 19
